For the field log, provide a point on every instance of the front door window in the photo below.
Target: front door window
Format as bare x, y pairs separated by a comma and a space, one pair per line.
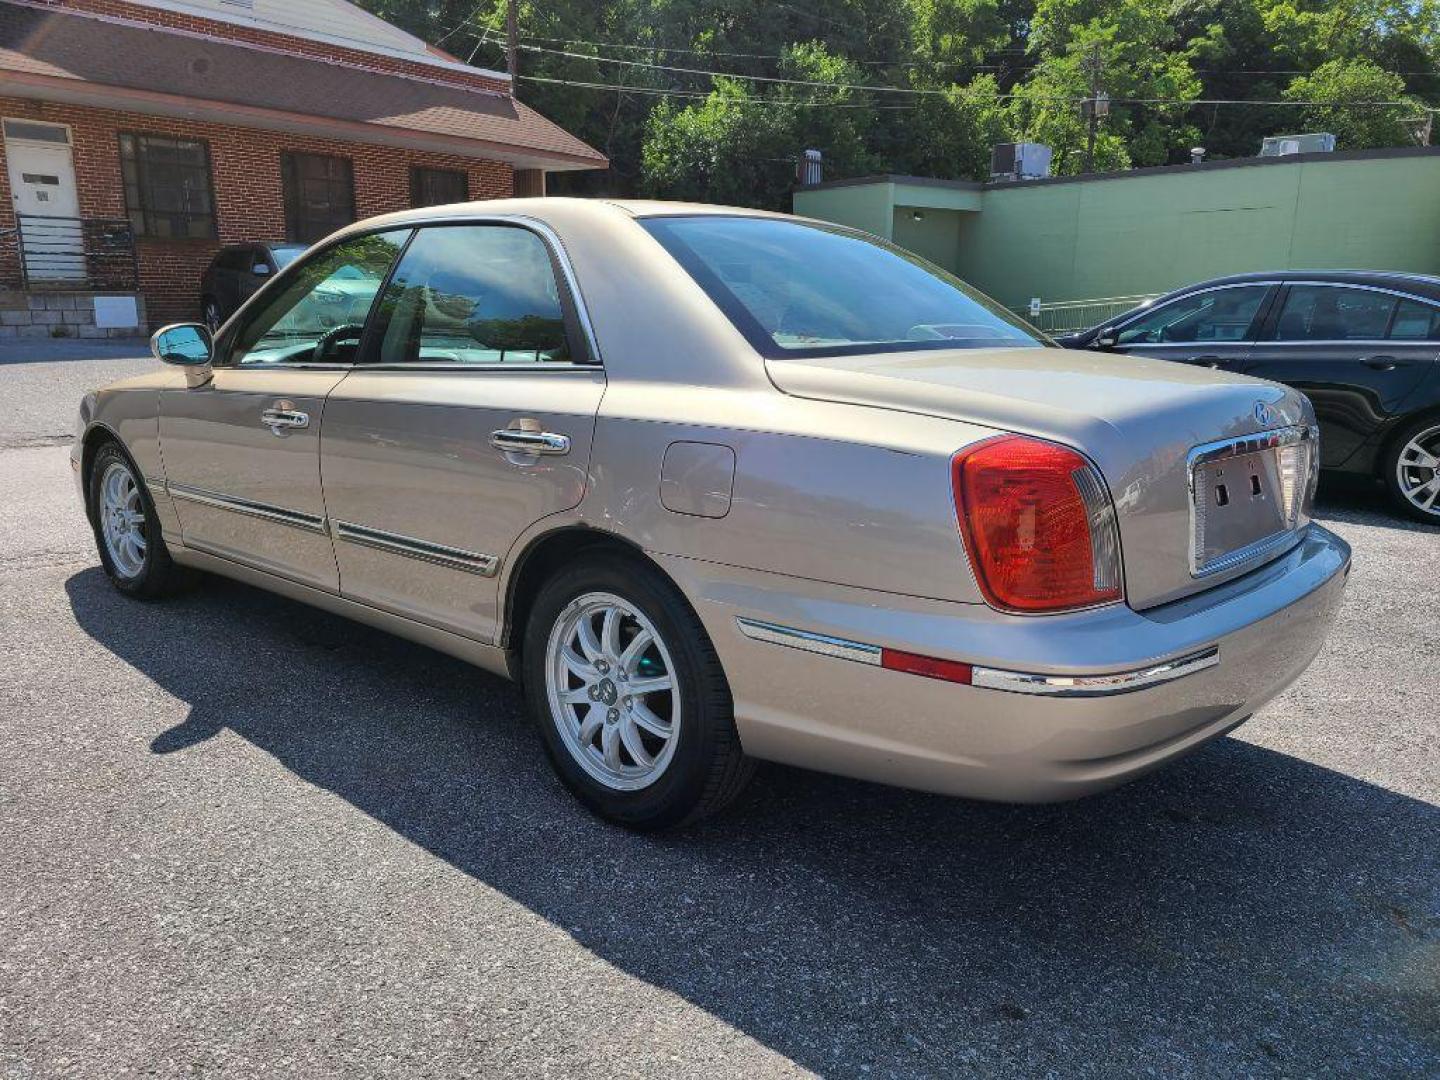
319, 313
1214, 317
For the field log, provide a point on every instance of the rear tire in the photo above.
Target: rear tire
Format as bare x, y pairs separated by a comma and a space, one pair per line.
1411, 470
127, 532
630, 697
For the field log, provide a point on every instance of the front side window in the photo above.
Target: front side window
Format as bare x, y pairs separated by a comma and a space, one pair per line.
1328, 313
436, 187
1217, 316
796, 289
319, 195
319, 314
474, 294
168, 193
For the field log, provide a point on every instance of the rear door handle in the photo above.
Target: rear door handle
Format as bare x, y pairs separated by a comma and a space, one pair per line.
1384, 363
517, 441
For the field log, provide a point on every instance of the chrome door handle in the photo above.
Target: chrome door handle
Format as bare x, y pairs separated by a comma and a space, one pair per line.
284, 419
516, 441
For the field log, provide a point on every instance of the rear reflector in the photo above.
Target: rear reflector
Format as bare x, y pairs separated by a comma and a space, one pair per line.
1039, 525
928, 666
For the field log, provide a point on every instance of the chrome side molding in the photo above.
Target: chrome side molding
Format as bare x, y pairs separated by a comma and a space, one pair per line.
456, 558
810, 642
988, 678
1123, 682
278, 514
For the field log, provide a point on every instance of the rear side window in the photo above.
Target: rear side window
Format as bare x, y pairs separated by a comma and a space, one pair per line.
474, 294
796, 289
1328, 313
1415, 321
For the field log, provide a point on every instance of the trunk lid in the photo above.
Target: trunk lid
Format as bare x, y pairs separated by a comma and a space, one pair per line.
1138, 419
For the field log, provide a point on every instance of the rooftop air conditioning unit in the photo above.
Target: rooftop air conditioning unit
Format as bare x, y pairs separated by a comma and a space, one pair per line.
1320, 142
1019, 161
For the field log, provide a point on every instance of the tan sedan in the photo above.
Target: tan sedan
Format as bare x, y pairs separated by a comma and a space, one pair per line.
719, 485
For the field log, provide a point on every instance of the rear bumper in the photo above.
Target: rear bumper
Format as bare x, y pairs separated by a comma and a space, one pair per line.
1102, 696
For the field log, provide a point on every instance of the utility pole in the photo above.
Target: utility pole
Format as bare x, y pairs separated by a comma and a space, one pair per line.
512, 46
1096, 105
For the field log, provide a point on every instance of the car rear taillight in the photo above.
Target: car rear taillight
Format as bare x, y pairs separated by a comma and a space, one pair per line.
1038, 523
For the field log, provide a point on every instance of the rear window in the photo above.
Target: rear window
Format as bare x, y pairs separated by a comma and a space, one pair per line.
799, 290
285, 254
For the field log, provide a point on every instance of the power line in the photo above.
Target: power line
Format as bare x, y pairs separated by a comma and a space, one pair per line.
704, 95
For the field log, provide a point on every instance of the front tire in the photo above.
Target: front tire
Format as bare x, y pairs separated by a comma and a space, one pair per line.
127, 532
1412, 470
211, 314
629, 696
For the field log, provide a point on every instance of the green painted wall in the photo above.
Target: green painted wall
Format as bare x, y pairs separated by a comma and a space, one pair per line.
1151, 232
861, 206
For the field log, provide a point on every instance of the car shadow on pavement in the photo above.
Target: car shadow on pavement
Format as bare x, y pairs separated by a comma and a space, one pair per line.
1242, 912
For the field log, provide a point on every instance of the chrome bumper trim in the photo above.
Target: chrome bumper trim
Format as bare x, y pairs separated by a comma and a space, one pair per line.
1123, 682
278, 514
810, 642
988, 678
455, 558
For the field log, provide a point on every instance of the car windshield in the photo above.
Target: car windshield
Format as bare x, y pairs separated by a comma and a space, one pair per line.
799, 290
286, 254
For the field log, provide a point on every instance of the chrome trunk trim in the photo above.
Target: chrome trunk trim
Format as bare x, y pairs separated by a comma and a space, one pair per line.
278, 514
456, 558
1123, 682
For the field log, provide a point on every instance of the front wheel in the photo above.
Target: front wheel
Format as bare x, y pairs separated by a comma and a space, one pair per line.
1412, 470
210, 312
630, 697
127, 532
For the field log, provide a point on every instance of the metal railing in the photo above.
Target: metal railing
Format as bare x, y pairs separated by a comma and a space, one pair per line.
1063, 316
63, 253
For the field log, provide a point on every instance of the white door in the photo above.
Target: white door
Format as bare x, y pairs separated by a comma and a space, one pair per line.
42, 186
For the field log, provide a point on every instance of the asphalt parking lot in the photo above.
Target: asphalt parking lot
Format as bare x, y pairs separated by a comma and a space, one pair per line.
241, 837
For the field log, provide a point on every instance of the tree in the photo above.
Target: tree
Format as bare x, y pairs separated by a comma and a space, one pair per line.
1347, 92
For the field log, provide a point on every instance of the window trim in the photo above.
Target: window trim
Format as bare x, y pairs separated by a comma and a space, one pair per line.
144, 211
1261, 317
579, 332
760, 339
285, 195
1386, 340
416, 170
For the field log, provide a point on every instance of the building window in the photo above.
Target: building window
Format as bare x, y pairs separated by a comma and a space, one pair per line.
319, 195
435, 187
168, 191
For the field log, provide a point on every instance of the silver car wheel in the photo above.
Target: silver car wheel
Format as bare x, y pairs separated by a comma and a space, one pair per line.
122, 520
613, 691
212, 315
1417, 470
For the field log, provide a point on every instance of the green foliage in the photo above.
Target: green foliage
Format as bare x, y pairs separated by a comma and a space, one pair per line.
989, 71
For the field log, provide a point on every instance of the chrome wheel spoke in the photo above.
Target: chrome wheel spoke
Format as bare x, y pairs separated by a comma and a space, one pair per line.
1418, 457
122, 520
620, 728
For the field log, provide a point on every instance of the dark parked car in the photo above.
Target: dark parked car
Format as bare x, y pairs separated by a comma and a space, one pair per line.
1361, 344
236, 272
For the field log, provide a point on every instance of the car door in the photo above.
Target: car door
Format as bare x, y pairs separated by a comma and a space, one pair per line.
1356, 351
469, 418
241, 452
1211, 327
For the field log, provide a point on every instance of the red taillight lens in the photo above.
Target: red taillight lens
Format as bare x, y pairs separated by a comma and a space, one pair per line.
1038, 523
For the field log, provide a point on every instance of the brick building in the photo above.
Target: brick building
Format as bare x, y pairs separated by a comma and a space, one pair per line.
141, 135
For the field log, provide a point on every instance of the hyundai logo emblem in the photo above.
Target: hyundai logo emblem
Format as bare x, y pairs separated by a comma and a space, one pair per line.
1264, 415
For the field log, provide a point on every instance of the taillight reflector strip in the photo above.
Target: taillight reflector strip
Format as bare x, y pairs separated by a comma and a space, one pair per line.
929, 667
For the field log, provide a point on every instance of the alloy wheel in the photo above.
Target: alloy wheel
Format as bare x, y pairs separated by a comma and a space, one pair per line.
122, 520
613, 691
212, 315
1417, 471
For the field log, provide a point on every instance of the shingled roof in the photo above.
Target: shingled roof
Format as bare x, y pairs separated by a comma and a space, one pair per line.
75, 58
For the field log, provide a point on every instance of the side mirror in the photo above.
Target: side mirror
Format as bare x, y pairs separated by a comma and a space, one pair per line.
260, 269
1105, 339
186, 345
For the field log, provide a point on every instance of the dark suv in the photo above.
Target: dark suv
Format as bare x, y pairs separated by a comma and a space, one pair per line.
235, 273
1361, 344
